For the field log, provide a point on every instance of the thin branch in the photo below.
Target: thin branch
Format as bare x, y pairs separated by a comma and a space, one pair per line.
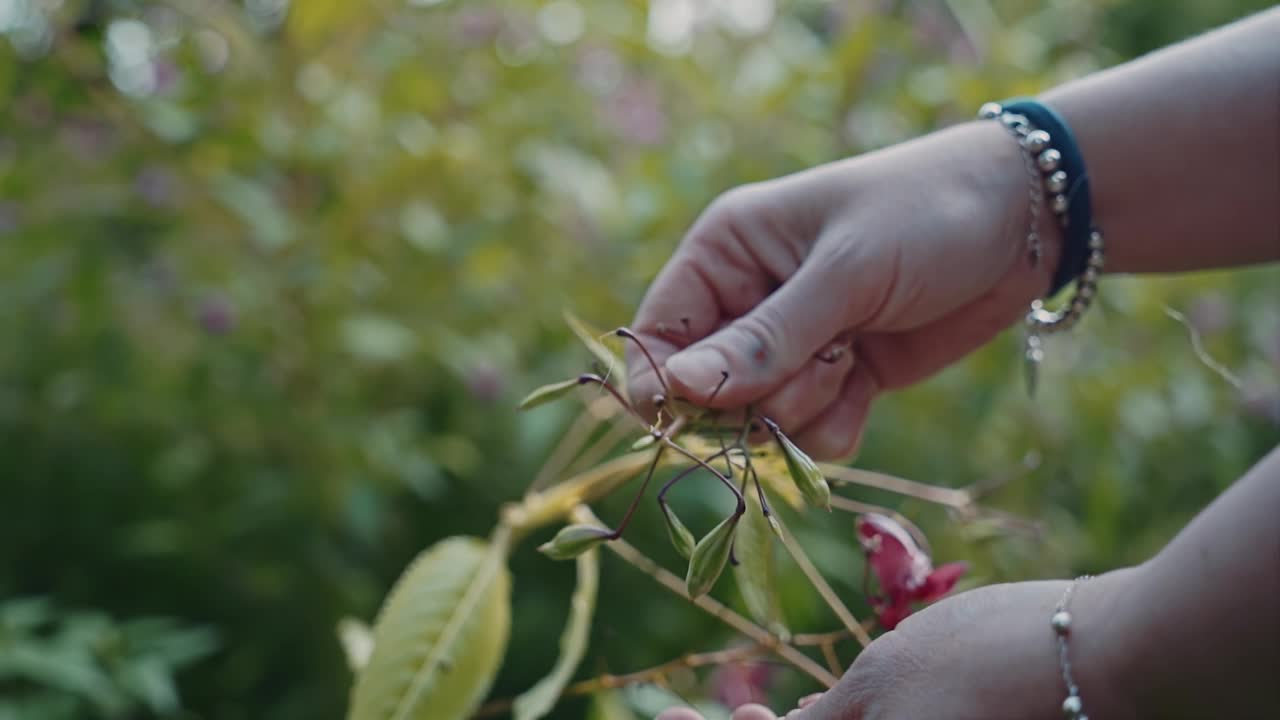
569, 446
947, 497
835, 636
656, 675
824, 589
621, 429
833, 660
1201, 354
711, 606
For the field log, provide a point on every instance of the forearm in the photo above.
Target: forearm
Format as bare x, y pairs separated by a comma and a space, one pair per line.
1183, 149
1202, 619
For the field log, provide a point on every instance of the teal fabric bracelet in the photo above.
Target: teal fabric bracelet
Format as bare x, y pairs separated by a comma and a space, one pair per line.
1078, 218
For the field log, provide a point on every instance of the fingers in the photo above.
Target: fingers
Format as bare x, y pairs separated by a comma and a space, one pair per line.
807, 393
678, 713
753, 712
764, 347
836, 432
750, 711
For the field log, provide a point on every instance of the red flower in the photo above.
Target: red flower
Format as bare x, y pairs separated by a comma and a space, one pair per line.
905, 572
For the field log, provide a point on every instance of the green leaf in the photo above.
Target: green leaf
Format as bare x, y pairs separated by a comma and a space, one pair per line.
681, 538
547, 393
440, 636
614, 367
710, 556
537, 701
804, 471
756, 571
573, 540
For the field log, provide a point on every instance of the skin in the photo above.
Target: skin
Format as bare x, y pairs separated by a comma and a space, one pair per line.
917, 252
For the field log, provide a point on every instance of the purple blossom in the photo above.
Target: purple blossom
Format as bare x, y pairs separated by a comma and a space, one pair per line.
477, 26
635, 113
9, 220
217, 315
87, 140
486, 383
156, 185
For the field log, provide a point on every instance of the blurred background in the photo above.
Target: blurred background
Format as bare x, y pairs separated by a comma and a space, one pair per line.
273, 276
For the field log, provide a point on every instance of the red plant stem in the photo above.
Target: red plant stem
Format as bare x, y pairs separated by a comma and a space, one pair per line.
626, 333
631, 509
742, 503
593, 378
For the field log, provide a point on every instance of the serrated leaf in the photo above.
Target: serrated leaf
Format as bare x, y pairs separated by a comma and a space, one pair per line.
710, 556
573, 540
614, 367
756, 571
547, 393
440, 636
538, 700
681, 539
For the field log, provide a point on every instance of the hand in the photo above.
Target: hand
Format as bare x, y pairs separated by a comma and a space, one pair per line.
987, 653
917, 253
745, 712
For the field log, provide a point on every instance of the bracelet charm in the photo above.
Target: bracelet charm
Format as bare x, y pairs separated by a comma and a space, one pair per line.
1072, 706
1050, 179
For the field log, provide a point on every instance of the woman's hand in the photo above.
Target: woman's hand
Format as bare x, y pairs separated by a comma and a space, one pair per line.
987, 653
916, 254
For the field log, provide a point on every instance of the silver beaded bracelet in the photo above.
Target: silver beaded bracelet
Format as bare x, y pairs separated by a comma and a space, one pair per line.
1047, 178
1073, 706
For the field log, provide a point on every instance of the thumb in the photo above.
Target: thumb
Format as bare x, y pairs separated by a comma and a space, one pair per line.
763, 348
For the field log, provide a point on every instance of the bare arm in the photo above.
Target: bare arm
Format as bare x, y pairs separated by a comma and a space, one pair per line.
1201, 620
1183, 148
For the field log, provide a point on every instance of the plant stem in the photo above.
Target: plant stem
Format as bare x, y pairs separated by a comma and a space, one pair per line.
947, 497
569, 446
654, 674
824, 589
713, 607
742, 503
620, 430
556, 502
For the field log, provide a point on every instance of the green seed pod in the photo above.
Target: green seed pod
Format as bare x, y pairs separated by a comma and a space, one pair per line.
804, 471
710, 556
547, 393
643, 442
573, 540
681, 538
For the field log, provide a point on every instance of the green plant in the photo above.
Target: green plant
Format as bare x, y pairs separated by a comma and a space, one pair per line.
56, 664
439, 639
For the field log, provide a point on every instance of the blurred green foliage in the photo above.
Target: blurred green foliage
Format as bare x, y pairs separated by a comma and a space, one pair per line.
272, 278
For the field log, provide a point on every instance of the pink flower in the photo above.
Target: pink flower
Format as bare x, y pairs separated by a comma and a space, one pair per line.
904, 569
737, 684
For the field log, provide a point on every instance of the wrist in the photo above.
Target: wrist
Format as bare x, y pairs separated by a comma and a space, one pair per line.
1107, 645
1003, 180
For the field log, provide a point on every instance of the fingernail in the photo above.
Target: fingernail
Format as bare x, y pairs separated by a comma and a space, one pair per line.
700, 370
